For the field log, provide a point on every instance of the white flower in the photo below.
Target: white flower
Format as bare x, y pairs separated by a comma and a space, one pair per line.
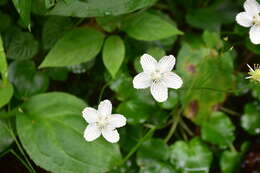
157, 76
254, 73
101, 121
251, 18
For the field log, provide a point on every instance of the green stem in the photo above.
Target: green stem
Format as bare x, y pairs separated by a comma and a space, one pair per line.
102, 92
140, 142
173, 127
4, 152
186, 128
21, 160
183, 134
232, 148
229, 111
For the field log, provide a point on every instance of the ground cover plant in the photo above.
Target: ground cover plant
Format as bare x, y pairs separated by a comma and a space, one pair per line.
127, 86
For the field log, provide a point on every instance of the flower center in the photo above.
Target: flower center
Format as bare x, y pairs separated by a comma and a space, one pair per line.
156, 75
102, 122
255, 74
256, 19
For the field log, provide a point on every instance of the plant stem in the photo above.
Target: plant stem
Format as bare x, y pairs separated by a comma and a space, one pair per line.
185, 127
229, 111
102, 92
21, 160
140, 142
174, 126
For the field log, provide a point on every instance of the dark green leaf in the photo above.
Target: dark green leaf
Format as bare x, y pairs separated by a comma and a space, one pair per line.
6, 92
218, 129
149, 27
193, 156
91, 8
109, 23
23, 7
113, 54
51, 131
77, 46
250, 120
6, 137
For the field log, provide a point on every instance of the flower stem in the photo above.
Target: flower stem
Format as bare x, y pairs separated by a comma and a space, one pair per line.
22, 161
102, 92
173, 127
229, 111
140, 142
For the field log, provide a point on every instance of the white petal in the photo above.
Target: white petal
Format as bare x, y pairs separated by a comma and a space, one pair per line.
172, 80
254, 34
148, 63
117, 120
90, 114
244, 19
105, 107
141, 81
92, 132
250, 68
252, 7
166, 63
111, 135
159, 92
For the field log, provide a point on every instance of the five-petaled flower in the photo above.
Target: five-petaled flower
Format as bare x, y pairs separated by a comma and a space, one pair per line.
254, 73
102, 121
251, 18
157, 76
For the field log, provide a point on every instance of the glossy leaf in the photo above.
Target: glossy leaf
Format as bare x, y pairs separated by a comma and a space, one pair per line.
6, 138
149, 27
23, 7
76, 46
63, 149
3, 63
113, 54
192, 156
93, 8
26, 79
6, 92
250, 120
218, 129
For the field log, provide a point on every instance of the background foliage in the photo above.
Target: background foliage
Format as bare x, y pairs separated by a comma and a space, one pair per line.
58, 56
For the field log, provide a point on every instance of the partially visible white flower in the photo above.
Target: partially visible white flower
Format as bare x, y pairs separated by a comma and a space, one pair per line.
251, 18
157, 76
102, 121
254, 73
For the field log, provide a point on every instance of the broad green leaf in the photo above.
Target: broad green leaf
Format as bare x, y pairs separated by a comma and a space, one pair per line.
22, 46
250, 120
58, 73
51, 131
53, 29
113, 54
3, 63
6, 92
93, 8
207, 75
26, 79
171, 101
255, 87
49, 3
148, 27
252, 47
191, 157
218, 129
76, 46
212, 39
153, 156
6, 138
136, 111
23, 7
109, 23
5, 21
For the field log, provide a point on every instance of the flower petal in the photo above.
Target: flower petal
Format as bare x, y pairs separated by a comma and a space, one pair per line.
252, 7
159, 92
90, 114
117, 120
105, 107
166, 63
92, 132
172, 80
111, 135
141, 81
148, 63
254, 34
244, 19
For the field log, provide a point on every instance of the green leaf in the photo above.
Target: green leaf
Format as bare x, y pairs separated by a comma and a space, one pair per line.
53, 29
27, 81
51, 131
136, 111
3, 63
212, 39
6, 138
250, 120
109, 23
171, 101
153, 160
6, 92
148, 27
24, 9
218, 129
5, 21
77, 46
22, 46
113, 54
93, 8
192, 157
